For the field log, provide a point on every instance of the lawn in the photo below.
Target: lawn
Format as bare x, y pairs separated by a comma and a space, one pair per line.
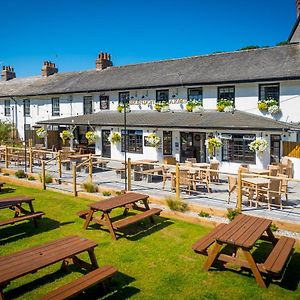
154, 262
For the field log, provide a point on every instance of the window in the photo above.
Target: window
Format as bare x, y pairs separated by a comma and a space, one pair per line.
124, 97
26, 103
226, 92
269, 91
134, 141
55, 107
236, 149
7, 108
87, 105
195, 94
167, 143
104, 102
162, 96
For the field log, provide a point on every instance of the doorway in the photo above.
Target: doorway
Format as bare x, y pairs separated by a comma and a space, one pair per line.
106, 145
275, 148
192, 145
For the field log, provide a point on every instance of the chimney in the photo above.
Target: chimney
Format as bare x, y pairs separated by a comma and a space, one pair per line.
48, 69
7, 73
298, 7
103, 61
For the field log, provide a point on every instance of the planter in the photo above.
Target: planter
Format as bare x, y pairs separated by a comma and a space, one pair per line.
198, 109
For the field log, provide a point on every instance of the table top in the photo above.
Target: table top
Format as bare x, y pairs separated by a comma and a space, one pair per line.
243, 231
11, 201
259, 171
201, 165
256, 180
18, 264
118, 201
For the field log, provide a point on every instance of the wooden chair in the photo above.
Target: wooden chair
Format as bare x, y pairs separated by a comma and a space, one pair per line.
214, 166
284, 185
185, 180
232, 186
273, 170
166, 175
204, 178
273, 191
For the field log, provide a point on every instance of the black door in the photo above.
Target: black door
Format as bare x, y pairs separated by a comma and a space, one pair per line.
192, 145
275, 148
106, 145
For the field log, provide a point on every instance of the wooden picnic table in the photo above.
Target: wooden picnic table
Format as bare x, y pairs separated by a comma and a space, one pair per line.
259, 171
15, 203
201, 165
255, 184
30, 260
141, 165
242, 233
128, 200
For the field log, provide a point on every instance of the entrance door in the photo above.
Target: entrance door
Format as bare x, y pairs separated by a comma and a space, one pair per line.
275, 148
192, 145
106, 145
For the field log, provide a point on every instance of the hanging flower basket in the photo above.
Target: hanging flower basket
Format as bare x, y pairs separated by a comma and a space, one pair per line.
91, 137
115, 137
225, 105
121, 107
66, 135
270, 105
259, 145
153, 140
274, 110
162, 106
212, 144
41, 132
262, 106
194, 106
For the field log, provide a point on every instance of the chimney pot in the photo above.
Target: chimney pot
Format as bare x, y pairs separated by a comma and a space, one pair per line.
48, 68
7, 73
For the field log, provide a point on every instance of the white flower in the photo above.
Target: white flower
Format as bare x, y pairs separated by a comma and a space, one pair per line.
229, 108
259, 145
153, 139
197, 108
274, 110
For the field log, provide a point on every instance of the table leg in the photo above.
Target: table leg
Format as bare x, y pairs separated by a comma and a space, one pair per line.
260, 281
32, 210
93, 258
110, 227
1, 295
147, 208
212, 256
271, 236
88, 219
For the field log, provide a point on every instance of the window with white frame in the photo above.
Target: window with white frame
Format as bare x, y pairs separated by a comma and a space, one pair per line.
26, 104
195, 94
55, 107
269, 91
87, 105
7, 108
162, 96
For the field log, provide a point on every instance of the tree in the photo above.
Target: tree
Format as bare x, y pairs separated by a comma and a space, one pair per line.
283, 43
5, 131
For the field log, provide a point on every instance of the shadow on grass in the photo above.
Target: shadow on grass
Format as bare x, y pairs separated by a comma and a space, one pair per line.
7, 190
15, 232
115, 288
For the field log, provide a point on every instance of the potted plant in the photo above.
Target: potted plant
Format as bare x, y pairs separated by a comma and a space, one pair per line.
91, 137
121, 106
262, 106
66, 135
189, 106
212, 144
225, 105
153, 139
41, 132
115, 137
162, 106
259, 145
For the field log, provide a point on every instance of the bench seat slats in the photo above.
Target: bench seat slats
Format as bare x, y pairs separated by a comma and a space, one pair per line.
136, 218
22, 218
279, 255
201, 245
75, 287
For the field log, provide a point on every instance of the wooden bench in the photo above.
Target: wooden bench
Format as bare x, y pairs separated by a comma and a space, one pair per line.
1, 185
77, 286
136, 218
279, 256
28, 216
149, 173
121, 172
202, 245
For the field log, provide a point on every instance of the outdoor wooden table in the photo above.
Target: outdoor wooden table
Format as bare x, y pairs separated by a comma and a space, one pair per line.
20, 213
254, 184
242, 233
127, 200
259, 171
31, 260
141, 165
201, 165
193, 174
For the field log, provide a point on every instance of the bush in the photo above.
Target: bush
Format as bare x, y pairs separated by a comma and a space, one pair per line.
177, 204
106, 193
20, 174
273, 227
89, 187
203, 214
48, 178
232, 213
119, 193
31, 178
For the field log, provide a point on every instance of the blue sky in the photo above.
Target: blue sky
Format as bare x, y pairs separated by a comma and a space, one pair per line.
72, 33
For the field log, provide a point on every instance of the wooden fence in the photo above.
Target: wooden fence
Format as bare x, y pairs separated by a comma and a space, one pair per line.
291, 149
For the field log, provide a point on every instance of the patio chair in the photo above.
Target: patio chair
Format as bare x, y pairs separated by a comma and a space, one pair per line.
166, 175
284, 185
214, 166
185, 180
204, 178
273, 191
232, 186
273, 170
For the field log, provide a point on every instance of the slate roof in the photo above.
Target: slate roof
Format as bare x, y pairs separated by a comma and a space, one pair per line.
263, 64
209, 119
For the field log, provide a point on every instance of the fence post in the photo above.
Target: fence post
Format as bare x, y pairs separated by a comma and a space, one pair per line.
177, 182
43, 175
74, 179
90, 168
59, 163
6, 157
128, 174
239, 192
30, 143
30, 160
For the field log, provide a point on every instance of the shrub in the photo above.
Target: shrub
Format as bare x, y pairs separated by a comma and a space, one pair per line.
273, 227
203, 214
89, 187
232, 213
31, 178
119, 193
177, 204
20, 174
48, 177
106, 193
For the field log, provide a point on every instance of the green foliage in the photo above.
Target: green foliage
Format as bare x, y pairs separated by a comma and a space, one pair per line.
20, 174
176, 204
31, 178
232, 213
203, 214
106, 193
282, 43
5, 132
90, 187
250, 47
222, 103
273, 227
119, 193
48, 177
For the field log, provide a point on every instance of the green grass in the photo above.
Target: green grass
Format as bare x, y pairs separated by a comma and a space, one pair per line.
155, 263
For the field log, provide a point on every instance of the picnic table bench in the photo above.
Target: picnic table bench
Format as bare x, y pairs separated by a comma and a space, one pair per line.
242, 233
128, 200
66, 250
20, 213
